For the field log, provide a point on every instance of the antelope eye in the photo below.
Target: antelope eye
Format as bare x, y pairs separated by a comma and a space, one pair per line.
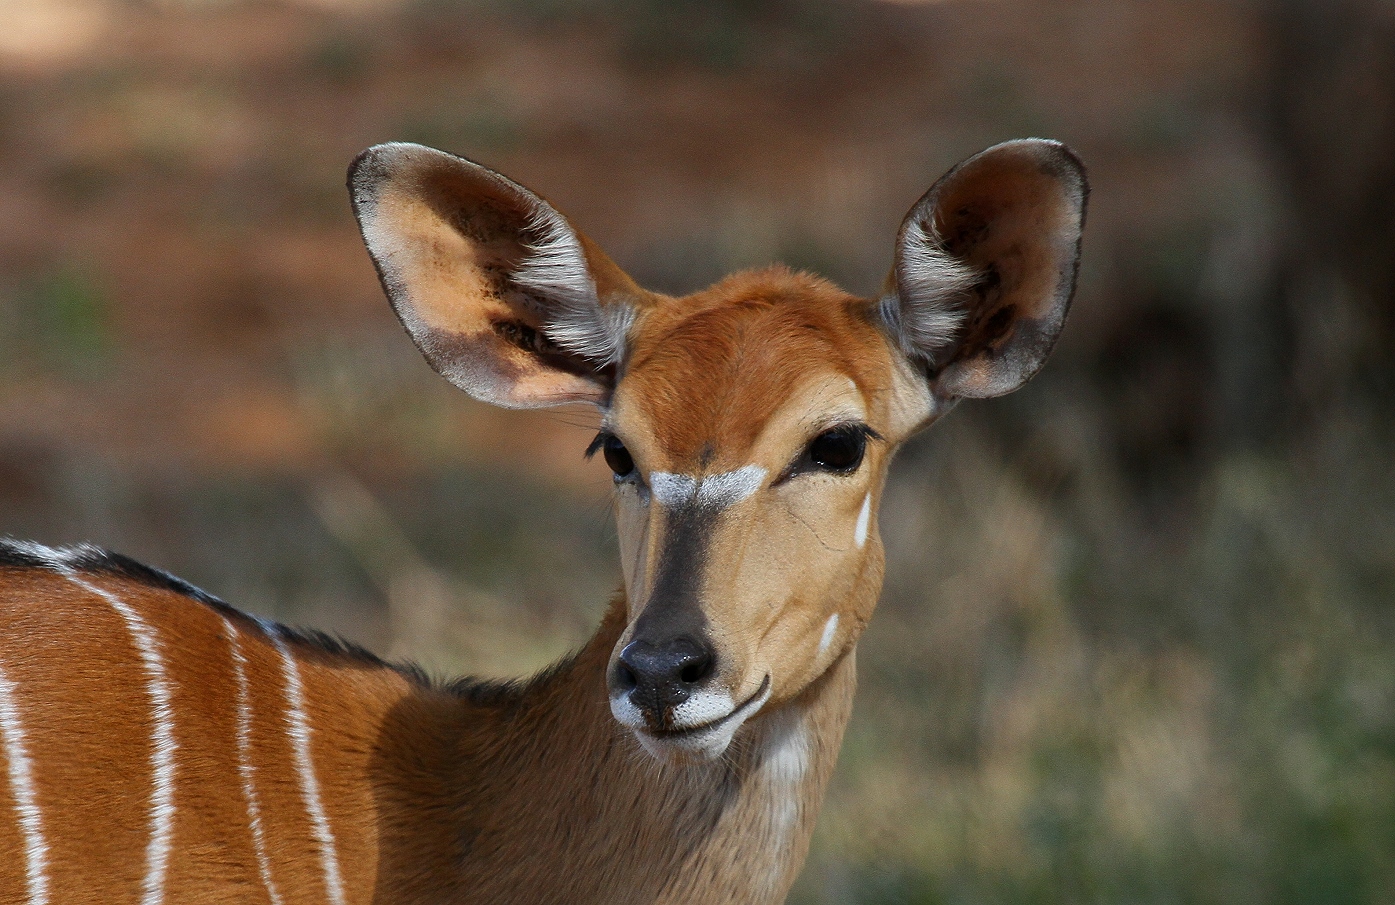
840, 449
617, 457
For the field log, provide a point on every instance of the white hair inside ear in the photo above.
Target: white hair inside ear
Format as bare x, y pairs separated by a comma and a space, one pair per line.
556, 269
926, 309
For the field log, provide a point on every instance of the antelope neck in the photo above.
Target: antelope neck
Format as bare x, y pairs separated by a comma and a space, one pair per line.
539, 763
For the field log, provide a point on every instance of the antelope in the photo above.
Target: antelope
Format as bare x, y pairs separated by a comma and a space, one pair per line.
161, 746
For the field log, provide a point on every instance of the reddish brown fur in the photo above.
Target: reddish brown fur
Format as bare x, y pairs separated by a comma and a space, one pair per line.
539, 794
712, 369
432, 796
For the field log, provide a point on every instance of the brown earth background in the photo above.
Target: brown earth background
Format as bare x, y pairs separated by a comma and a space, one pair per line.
1137, 642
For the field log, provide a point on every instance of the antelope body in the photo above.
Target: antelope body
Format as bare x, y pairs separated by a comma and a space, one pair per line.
158, 745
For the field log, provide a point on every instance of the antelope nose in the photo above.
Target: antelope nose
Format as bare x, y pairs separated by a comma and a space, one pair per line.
659, 676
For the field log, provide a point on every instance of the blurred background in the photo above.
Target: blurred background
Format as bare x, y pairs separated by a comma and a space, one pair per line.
1137, 642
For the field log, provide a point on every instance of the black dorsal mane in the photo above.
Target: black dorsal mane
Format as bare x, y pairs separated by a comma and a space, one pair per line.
90, 560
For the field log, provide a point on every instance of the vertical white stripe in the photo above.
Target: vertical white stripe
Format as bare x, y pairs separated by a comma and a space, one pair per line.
787, 757
157, 853
309, 784
31, 824
244, 761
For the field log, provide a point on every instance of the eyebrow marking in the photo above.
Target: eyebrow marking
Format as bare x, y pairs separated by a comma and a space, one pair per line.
716, 491
730, 487
672, 490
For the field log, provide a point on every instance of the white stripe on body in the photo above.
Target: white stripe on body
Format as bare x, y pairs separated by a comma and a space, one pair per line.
31, 825
309, 784
157, 852
244, 761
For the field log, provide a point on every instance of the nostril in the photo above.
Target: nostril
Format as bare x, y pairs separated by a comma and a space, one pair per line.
695, 670
664, 674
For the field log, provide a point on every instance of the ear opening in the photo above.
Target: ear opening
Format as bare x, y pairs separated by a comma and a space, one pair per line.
985, 267
500, 293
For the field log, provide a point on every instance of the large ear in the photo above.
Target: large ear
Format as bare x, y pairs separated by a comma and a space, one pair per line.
504, 298
985, 267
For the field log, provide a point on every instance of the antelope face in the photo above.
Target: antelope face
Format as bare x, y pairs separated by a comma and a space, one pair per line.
749, 438
748, 426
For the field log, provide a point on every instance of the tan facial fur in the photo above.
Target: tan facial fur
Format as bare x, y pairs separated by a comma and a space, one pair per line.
775, 359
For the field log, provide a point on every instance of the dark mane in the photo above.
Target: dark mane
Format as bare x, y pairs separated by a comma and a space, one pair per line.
87, 559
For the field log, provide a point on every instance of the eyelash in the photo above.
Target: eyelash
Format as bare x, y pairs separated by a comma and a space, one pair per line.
621, 463
857, 434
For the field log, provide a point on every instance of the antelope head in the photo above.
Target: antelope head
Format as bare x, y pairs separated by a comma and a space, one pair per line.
749, 426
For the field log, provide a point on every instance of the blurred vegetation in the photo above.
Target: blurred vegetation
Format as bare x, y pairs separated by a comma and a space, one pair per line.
1137, 641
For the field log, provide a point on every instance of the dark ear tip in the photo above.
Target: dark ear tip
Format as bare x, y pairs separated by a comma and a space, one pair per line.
369, 169
373, 164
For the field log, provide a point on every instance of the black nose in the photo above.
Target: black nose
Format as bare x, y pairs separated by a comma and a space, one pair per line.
659, 676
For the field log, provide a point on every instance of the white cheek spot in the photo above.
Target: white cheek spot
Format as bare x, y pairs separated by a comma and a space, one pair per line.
830, 631
863, 517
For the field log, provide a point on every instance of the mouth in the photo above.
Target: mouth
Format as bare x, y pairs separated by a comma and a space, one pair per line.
739, 714
706, 741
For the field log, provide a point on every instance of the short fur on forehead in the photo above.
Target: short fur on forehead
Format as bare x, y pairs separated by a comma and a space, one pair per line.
728, 356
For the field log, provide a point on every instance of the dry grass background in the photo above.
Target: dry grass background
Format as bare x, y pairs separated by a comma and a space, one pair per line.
1136, 643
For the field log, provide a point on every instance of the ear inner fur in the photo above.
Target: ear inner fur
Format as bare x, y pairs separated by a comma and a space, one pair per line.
990, 254
498, 291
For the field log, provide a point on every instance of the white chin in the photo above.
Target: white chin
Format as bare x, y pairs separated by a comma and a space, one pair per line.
700, 745
706, 741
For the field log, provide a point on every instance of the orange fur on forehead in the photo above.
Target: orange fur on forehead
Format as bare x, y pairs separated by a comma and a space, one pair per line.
710, 369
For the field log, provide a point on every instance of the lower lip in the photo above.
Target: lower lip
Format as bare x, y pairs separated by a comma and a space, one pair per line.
694, 731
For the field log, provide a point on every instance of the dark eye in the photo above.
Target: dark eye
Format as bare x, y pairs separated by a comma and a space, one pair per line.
839, 449
617, 456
